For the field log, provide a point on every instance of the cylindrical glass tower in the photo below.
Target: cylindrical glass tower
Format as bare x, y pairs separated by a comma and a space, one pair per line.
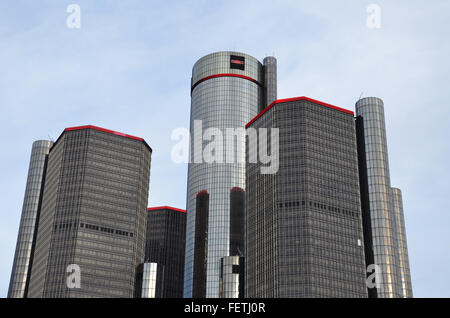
384, 236
227, 90
270, 79
405, 275
36, 172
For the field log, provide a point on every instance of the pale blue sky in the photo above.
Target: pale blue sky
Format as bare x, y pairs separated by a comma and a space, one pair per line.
128, 69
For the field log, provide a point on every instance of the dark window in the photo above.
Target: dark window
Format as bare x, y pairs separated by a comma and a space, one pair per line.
201, 245
237, 227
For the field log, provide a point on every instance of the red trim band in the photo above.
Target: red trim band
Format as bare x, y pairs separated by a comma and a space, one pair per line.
165, 208
109, 132
225, 75
294, 99
104, 130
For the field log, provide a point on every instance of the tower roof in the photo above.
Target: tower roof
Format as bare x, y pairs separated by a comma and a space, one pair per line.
165, 208
294, 99
106, 131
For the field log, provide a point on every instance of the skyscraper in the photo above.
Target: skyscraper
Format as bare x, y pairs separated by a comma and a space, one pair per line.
304, 234
386, 240
93, 215
164, 249
18, 285
227, 90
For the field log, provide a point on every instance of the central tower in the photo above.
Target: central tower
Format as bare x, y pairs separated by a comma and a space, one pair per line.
227, 90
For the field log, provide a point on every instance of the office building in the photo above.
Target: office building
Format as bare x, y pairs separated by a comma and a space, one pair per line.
18, 285
227, 90
304, 233
91, 231
164, 253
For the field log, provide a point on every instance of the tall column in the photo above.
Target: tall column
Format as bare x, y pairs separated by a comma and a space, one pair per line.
384, 237
226, 92
270, 80
36, 172
405, 275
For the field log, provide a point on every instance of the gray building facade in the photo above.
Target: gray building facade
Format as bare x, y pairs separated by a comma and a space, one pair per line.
386, 240
304, 234
227, 90
93, 215
18, 285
